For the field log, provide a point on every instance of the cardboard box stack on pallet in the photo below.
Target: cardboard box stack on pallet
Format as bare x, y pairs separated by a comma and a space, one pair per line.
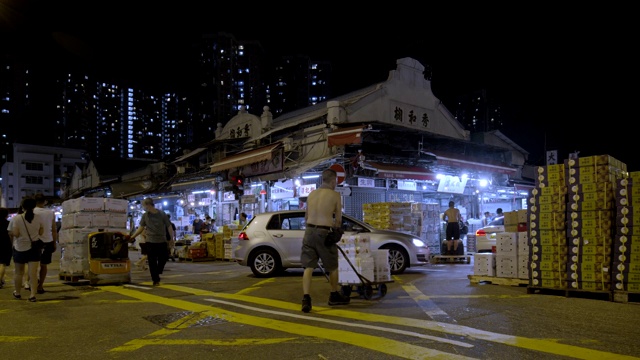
213, 246
81, 217
512, 250
422, 220
626, 245
571, 224
511, 257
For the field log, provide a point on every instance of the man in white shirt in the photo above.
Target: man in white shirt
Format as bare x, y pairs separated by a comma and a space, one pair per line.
49, 238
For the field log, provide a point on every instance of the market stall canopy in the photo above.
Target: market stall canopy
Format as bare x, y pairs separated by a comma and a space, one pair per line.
201, 184
130, 188
246, 158
294, 169
394, 171
469, 163
190, 154
346, 136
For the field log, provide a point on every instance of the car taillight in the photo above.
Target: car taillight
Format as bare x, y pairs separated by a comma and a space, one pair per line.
481, 232
243, 236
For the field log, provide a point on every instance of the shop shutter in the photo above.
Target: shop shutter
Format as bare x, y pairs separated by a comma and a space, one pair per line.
360, 196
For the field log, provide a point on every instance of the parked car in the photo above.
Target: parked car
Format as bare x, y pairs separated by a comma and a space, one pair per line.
271, 243
486, 235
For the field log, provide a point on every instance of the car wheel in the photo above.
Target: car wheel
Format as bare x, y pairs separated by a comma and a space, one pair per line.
265, 263
398, 259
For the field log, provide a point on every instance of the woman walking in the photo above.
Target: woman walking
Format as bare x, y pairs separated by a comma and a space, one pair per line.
26, 230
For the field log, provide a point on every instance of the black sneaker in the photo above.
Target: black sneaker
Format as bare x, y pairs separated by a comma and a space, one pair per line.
306, 303
337, 298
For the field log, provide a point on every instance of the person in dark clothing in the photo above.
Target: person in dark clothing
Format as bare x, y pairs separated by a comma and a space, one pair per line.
156, 224
197, 225
172, 240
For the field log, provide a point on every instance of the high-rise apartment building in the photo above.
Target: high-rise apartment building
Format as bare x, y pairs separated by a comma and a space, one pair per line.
114, 121
319, 82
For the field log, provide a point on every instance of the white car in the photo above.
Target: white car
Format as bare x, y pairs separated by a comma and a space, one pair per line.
272, 242
486, 236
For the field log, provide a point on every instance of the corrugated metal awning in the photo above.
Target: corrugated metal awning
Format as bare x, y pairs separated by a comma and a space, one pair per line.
130, 188
346, 136
186, 156
246, 158
465, 163
201, 184
393, 171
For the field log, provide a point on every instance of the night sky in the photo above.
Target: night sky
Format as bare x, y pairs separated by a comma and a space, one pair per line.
566, 77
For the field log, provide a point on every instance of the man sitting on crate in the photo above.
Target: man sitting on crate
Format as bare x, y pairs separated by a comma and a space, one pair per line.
324, 211
156, 223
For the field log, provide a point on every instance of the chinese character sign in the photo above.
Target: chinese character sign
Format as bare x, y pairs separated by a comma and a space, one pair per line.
305, 190
552, 157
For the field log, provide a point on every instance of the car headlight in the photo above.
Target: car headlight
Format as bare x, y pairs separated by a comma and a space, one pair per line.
417, 242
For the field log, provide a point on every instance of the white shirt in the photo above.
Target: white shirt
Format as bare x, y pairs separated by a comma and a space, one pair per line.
21, 237
48, 221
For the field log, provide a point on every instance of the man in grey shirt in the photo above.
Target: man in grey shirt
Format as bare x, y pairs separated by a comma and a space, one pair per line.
156, 223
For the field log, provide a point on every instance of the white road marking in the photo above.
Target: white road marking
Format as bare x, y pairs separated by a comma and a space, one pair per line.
343, 323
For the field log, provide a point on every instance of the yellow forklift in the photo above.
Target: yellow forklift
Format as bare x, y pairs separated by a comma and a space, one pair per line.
108, 258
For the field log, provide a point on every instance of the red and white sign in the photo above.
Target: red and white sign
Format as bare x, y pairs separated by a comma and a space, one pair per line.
339, 169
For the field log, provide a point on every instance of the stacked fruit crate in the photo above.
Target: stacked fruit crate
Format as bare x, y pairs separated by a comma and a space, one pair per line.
590, 229
626, 244
547, 233
571, 224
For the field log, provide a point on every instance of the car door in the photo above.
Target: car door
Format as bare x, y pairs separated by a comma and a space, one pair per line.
287, 231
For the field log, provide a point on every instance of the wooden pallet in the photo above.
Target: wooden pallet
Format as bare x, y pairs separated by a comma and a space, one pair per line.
484, 279
436, 259
626, 296
574, 293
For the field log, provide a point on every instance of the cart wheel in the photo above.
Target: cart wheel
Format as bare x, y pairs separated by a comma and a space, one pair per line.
367, 292
346, 290
383, 289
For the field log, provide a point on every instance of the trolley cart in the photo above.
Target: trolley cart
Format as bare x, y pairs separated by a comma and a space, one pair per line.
366, 287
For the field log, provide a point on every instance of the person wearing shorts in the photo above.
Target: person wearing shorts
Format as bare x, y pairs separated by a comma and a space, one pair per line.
453, 218
26, 230
324, 210
49, 238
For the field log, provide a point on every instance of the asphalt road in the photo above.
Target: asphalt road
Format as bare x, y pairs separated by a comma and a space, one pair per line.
219, 310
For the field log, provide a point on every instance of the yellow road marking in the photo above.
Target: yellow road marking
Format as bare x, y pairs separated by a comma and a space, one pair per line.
376, 343
7, 339
541, 345
140, 343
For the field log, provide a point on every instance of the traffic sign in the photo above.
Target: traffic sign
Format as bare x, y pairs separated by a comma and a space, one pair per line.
339, 169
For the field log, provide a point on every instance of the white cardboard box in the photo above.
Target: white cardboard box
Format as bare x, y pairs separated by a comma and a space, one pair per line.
484, 264
506, 266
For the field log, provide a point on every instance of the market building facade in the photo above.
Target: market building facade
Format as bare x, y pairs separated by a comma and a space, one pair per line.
393, 141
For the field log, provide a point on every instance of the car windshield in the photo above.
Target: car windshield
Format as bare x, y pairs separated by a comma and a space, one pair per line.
498, 221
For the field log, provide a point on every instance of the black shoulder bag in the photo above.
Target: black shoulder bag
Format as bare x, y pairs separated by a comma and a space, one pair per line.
38, 244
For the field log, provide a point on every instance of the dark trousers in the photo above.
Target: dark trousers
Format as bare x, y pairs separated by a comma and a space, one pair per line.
157, 256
